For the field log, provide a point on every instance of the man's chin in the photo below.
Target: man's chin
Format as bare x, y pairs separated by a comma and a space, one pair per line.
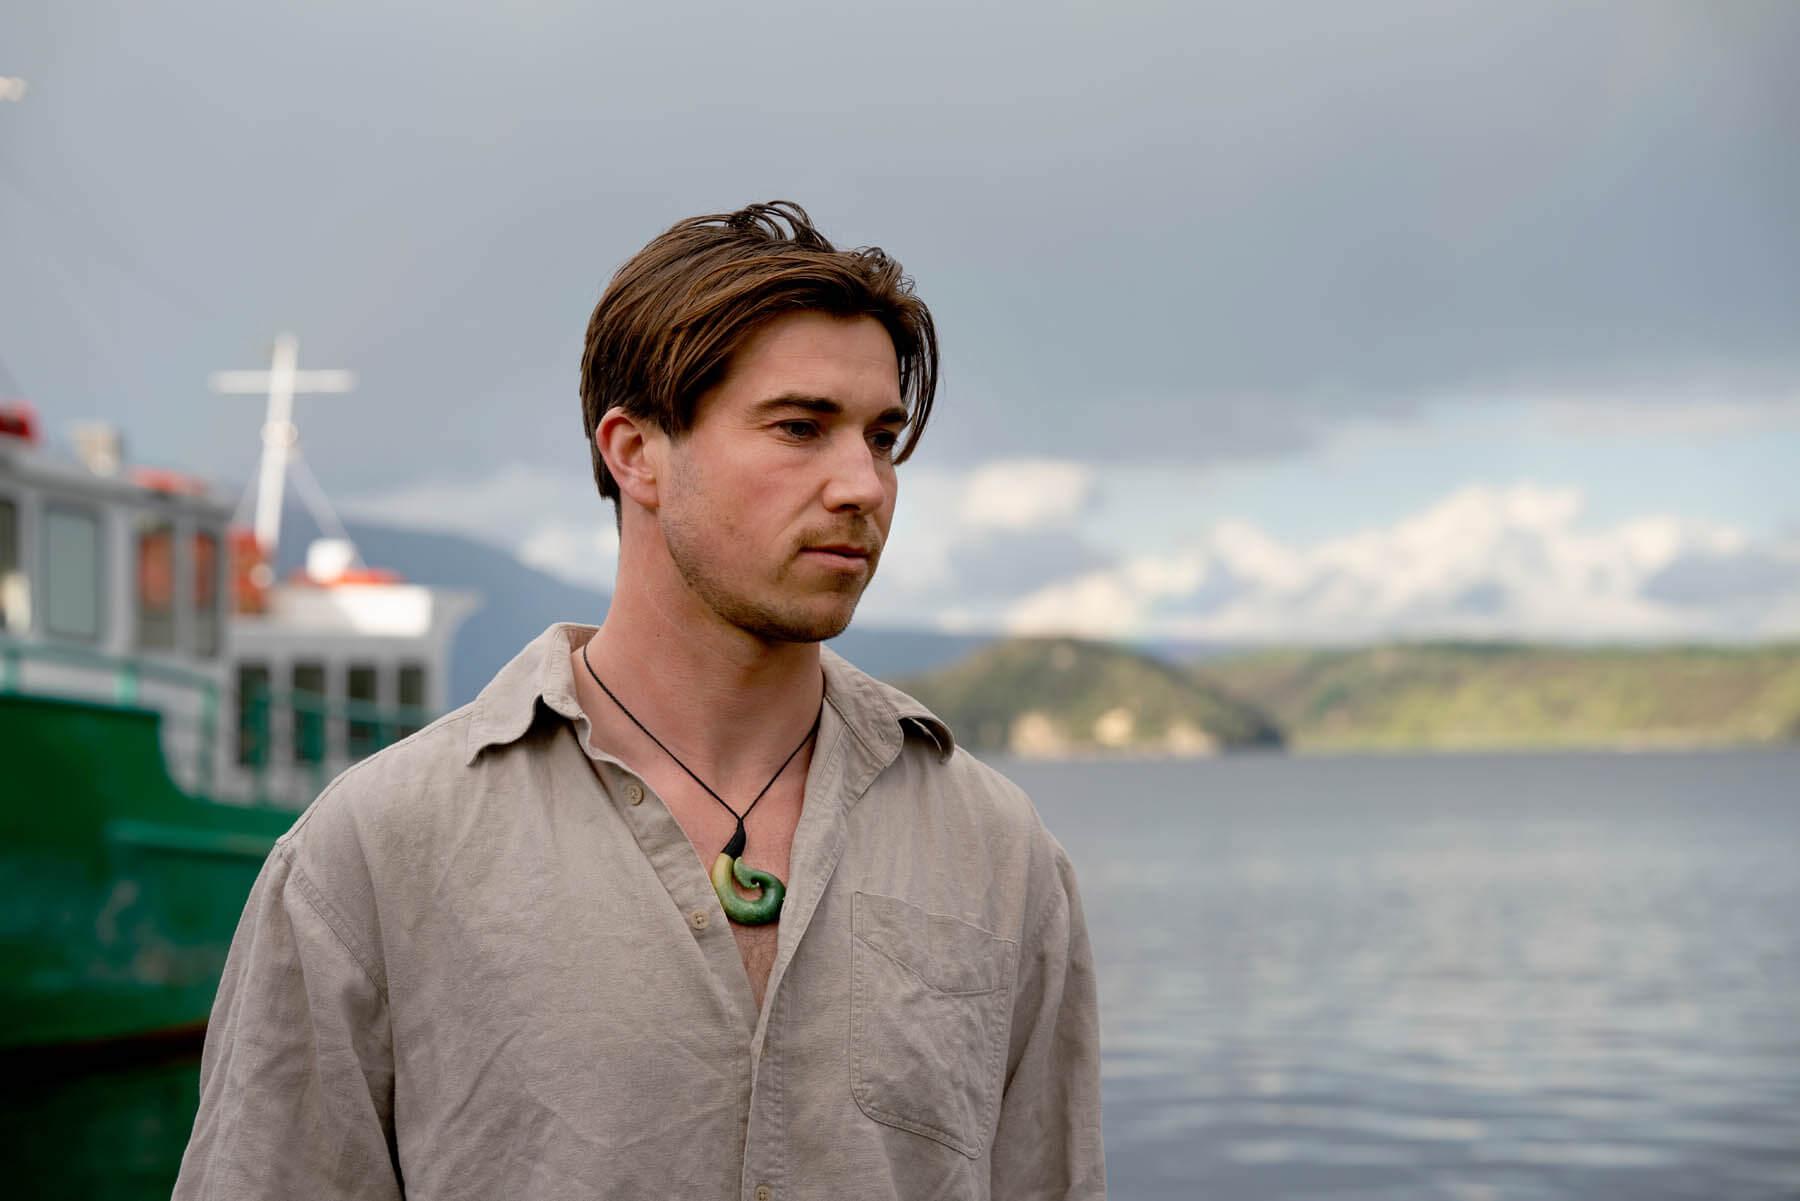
822, 631
802, 627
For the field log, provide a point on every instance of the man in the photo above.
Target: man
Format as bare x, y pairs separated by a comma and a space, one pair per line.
684, 906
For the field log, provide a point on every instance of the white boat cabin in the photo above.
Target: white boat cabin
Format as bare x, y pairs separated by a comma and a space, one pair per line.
132, 586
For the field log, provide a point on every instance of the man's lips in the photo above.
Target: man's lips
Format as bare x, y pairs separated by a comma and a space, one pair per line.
840, 552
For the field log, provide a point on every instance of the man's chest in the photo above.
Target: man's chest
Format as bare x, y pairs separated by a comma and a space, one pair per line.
769, 827
570, 988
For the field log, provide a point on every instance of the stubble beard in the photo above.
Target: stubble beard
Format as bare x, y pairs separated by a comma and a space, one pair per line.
767, 621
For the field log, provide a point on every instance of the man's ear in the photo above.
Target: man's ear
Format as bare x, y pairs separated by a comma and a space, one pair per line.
634, 450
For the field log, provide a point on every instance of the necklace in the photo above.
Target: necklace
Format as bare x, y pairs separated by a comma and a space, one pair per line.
729, 865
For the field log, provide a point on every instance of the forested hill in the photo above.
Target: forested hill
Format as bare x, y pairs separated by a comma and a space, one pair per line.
1062, 696
1462, 696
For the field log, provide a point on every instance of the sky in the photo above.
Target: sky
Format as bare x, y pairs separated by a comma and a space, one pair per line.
1309, 322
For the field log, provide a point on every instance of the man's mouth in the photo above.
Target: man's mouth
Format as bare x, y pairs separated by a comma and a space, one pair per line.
842, 555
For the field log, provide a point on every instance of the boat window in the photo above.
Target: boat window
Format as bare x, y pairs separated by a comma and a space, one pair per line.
208, 595
412, 693
361, 732
72, 572
253, 714
309, 712
15, 596
155, 584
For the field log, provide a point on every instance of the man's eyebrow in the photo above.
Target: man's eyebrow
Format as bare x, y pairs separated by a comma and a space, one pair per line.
825, 406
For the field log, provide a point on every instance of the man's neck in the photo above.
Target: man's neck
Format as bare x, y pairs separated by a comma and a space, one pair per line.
727, 703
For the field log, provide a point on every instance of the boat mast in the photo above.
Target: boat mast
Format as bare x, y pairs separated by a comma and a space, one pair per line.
281, 382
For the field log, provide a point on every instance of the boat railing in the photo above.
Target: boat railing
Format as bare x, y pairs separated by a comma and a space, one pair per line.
261, 746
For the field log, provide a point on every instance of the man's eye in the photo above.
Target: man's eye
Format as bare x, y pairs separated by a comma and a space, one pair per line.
799, 429
886, 440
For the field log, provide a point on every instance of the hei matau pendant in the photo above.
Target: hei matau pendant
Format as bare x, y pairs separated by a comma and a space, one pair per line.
727, 867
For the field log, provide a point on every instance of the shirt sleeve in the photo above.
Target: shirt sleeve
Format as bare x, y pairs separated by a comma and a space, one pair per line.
1048, 1144
296, 1079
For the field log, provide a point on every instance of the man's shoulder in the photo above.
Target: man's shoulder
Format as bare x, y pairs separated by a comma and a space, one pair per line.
874, 701
398, 785
1001, 839
968, 789
942, 757
980, 779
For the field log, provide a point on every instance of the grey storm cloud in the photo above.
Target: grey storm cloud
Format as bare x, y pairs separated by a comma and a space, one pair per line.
1149, 232
1016, 562
1700, 579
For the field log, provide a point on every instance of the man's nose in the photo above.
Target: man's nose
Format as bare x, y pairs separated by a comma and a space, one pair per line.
856, 481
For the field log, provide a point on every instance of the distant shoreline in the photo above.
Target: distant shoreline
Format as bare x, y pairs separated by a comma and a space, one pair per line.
1069, 700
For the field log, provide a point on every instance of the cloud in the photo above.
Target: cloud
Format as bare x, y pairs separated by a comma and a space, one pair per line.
1675, 403
1481, 562
1708, 578
1115, 602
1004, 564
989, 530
1690, 418
580, 553
965, 539
999, 547
552, 521
1025, 494
1132, 253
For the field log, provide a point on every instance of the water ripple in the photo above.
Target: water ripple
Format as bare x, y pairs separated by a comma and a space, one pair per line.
1517, 977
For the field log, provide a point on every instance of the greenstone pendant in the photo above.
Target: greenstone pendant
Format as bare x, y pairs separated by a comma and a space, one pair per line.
729, 866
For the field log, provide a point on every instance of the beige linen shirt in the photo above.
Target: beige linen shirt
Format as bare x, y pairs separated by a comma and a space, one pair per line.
486, 963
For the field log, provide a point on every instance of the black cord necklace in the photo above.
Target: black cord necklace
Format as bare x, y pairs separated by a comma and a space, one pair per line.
728, 866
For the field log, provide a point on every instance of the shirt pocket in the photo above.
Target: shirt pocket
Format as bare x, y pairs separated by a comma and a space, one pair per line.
929, 1011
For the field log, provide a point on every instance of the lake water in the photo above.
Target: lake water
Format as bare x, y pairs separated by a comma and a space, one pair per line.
1521, 977
1518, 977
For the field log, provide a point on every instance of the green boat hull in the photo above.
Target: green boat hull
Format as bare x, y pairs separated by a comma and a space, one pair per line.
119, 892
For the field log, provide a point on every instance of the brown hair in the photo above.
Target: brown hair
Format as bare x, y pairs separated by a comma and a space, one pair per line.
670, 320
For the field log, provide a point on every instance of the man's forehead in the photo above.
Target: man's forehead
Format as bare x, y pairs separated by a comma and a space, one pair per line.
797, 340
819, 362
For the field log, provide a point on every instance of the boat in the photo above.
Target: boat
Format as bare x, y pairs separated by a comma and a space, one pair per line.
167, 707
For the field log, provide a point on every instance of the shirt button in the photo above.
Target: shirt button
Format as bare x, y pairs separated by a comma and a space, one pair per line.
634, 794
697, 919
764, 1192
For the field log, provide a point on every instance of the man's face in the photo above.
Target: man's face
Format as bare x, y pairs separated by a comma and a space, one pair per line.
790, 453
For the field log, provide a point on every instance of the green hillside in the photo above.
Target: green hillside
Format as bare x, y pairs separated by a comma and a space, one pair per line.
1063, 696
1472, 695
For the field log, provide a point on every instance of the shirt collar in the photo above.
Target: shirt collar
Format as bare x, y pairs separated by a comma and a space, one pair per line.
878, 714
